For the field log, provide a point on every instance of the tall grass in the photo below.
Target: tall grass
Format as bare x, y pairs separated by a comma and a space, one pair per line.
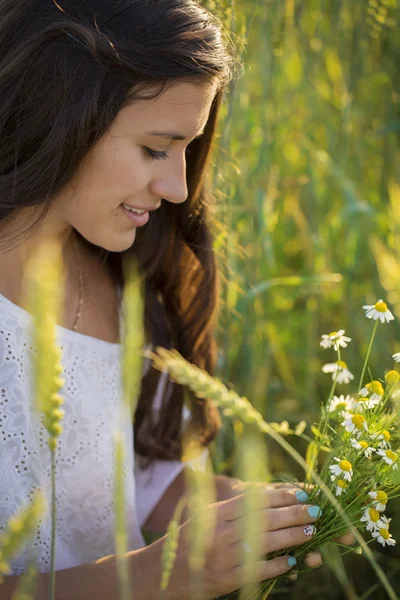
307, 223
309, 217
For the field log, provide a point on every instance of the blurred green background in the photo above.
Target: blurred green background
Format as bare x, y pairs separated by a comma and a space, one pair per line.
308, 225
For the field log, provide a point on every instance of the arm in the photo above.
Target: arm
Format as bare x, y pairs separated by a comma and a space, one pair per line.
98, 580
92, 580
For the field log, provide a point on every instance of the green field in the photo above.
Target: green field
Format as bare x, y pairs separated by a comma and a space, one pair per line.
308, 224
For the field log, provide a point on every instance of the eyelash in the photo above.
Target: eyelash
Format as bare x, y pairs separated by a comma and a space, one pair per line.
158, 155
154, 154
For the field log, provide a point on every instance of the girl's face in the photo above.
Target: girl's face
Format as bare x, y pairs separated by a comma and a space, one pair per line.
130, 165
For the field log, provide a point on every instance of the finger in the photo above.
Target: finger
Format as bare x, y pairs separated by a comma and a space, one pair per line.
280, 497
285, 538
347, 539
286, 484
290, 516
268, 569
281, 484
272, 519
235, 508
313, 560
271, 541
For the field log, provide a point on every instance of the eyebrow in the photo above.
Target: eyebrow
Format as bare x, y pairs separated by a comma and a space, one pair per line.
171, 135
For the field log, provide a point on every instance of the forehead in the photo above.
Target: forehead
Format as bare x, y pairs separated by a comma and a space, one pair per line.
184, 107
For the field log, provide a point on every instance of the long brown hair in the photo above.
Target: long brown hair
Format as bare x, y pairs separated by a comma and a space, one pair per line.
67, 68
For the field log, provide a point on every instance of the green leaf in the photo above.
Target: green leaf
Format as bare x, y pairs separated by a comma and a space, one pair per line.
316, 431
393, 476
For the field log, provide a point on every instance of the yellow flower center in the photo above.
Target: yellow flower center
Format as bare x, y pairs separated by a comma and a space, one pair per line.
384, 533
341, 406
386, 435
391, 455
363, 400
363, 445
345, 465
342, 484
333, 334
374, 515
341, 364
381, 306
376, 387
392, 377
358, 421
381, 497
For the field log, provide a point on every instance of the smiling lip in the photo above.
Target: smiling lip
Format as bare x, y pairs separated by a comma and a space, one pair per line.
138, 219
143, 207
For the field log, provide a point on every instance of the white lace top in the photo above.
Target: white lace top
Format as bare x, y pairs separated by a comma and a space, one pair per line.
84, 461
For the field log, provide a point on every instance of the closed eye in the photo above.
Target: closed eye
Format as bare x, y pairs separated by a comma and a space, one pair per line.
154, 154
158, 154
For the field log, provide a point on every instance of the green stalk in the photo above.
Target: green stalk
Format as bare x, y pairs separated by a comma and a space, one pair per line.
367, 357
204, 385
120, 519
329, 401
53, 526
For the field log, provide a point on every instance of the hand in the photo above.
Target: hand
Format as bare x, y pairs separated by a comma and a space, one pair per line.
282, 520
347, 539
313, 559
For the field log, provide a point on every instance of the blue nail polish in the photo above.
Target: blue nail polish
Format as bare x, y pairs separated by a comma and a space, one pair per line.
314, 511
301, 495
291, 561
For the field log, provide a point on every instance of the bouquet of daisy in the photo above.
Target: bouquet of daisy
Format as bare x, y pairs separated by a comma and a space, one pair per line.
356, 436
357, 433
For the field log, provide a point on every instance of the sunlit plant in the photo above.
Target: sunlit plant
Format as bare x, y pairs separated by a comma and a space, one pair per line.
356, 434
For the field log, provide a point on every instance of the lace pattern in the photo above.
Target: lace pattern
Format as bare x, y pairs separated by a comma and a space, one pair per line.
85, 457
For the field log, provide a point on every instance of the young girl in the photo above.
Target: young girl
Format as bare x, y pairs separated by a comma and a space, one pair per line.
108, 107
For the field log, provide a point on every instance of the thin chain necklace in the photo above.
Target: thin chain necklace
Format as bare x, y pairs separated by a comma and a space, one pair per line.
79, 313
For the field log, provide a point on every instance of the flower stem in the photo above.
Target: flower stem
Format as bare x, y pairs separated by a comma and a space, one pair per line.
367, 357
328, 403
53, 526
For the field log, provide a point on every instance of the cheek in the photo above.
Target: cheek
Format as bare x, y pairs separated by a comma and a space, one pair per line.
114, 175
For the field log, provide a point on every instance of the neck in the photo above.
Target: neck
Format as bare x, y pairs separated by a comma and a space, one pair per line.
13, 262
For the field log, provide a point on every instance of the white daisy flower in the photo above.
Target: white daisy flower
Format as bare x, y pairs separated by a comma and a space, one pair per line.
363, 447
378, 311
341, 486
367, 402
384, 522
355, 424
363, 392
384, 537
343, 468
371, 517
389, 457
344, 374
396, 357
379, 499
341, 403
385, 439
336, 338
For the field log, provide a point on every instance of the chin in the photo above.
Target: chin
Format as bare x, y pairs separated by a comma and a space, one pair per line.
118, 243
122, 242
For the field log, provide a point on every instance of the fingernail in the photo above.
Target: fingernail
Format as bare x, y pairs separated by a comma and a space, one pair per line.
309, 530
314, 511
301, 495
291, 561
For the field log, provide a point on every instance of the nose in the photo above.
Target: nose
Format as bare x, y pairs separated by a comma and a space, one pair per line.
171, 185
